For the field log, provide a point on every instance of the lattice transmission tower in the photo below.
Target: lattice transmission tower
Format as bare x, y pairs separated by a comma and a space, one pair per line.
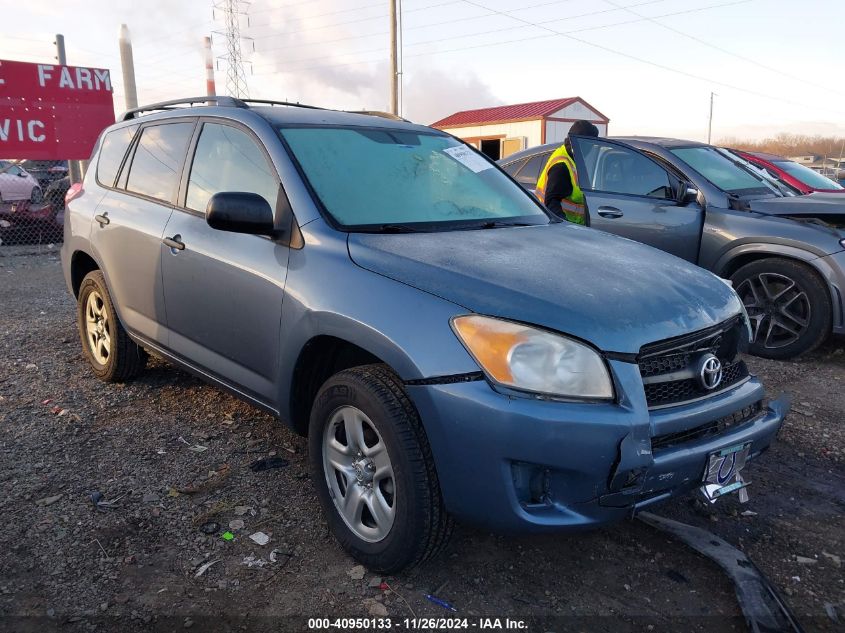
232, 11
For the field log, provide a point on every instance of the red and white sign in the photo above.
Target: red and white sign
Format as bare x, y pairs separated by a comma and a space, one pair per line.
52, 112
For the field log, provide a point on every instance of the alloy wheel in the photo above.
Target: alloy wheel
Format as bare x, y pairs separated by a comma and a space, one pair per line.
359, 474
97, 327
778, 308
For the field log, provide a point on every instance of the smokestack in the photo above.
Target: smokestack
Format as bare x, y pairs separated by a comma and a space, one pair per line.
210, 88
127, 65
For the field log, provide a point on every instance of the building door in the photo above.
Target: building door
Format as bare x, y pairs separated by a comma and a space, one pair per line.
492, 147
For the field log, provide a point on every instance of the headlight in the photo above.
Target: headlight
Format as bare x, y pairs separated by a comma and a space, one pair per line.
530, 359
742, 308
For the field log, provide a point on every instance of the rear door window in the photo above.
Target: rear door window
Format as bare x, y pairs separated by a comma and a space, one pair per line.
228, 159
115, 144
157, 163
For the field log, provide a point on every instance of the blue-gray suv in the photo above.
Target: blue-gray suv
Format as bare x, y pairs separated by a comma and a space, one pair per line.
449, 349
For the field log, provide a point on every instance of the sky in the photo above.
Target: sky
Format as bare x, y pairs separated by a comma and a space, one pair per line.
775, 66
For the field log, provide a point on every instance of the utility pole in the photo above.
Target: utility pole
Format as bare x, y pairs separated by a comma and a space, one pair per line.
61, 57
127, 65
710, 122
74, 167
210, 88
394, 68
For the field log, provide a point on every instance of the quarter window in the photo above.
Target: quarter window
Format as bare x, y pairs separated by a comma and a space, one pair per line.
158, 160
227, 159
616, 169
513, 167
115, 144
531, 171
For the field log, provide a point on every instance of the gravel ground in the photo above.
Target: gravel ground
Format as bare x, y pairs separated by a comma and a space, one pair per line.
134, 564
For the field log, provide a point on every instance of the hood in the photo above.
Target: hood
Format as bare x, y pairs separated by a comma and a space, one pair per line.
813, 205
611, 291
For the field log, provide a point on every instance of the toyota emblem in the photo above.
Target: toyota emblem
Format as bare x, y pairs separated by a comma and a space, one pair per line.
710, 372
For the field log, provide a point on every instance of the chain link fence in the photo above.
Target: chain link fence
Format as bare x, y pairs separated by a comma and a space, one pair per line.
32, 204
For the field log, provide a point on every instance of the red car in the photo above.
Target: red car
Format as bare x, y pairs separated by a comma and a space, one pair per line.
798, 176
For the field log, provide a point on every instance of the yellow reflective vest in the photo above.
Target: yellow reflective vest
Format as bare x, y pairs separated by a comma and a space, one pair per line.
573, 206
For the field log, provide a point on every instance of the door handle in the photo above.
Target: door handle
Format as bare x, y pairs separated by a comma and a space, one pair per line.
610, 212
102, 219
174, 242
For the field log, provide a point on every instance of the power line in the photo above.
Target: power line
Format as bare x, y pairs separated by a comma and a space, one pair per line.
381, 16
500, 30
170, 34
462, 36
642, 60
723, 50
320, 15
283, 6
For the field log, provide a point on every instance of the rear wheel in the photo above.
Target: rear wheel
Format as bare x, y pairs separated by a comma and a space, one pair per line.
788, 305
373, 470
113, 356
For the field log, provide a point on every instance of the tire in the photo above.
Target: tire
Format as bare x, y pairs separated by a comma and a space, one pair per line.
113, 356
788, 305
420, 526
36, 196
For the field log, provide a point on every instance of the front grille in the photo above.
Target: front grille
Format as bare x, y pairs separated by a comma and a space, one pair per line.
737, 418
678, 391
668, 368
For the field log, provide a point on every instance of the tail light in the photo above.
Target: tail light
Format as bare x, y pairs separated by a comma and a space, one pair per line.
74, 192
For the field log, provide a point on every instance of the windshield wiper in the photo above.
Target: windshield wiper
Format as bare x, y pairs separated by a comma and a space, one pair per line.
498, 224
393, 228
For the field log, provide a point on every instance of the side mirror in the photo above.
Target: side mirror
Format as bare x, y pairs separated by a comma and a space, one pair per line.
22, 174
686, 194
240, 212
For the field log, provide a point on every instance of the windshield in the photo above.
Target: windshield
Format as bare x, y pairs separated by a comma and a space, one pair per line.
722, 171
806, 175
368, 178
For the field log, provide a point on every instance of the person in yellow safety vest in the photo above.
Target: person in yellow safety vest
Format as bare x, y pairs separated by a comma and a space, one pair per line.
557, 186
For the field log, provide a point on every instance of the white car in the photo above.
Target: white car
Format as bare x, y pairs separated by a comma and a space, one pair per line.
16, 184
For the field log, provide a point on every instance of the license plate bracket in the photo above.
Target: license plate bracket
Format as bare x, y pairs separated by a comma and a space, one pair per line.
723, 475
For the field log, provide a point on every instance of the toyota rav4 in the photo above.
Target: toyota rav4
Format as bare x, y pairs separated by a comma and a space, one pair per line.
449, 349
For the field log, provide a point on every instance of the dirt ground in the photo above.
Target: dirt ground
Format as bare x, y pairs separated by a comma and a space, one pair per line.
133, 564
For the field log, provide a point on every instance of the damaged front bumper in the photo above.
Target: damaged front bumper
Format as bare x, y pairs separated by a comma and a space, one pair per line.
520, 464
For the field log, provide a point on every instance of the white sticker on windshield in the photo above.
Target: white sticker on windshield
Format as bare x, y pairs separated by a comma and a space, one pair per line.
466, 157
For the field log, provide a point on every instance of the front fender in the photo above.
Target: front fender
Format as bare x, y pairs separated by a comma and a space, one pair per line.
768, 249
405, 327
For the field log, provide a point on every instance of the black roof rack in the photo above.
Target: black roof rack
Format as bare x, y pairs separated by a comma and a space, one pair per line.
168, 105
383, 115
234, 102
271, 102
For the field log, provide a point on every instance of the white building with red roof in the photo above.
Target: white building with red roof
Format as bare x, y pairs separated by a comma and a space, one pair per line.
503, 130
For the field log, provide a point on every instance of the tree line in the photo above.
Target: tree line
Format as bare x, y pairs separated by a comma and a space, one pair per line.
791, 145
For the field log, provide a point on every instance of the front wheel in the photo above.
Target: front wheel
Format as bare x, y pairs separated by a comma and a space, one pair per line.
788, 306
373, 470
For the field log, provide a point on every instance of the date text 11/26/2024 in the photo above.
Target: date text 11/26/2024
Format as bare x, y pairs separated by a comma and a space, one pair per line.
428, 624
